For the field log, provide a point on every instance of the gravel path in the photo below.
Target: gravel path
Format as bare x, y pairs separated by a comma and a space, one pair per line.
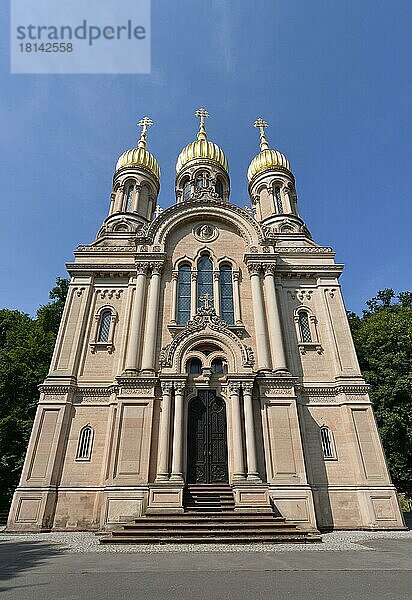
81, 542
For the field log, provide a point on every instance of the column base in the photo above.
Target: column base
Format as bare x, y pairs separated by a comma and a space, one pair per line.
239, 477
130, 373
178, 477
253, 477
162, 477
165, 498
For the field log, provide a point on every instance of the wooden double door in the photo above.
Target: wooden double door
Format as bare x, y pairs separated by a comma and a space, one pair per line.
207, 439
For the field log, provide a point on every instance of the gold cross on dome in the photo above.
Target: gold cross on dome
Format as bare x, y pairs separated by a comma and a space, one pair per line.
202, 114
262, 124
207, 300
144, 124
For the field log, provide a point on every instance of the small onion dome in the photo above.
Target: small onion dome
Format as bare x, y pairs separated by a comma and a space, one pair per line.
267, 158
202, 148
139, 156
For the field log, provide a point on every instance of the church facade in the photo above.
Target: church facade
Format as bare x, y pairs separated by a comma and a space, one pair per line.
204, 344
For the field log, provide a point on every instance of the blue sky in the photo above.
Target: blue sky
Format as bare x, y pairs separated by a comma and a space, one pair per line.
333, 79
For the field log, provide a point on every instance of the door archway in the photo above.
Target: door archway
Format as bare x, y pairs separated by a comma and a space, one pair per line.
207, 439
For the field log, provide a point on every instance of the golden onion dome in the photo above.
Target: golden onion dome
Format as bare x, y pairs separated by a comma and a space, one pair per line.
140, 156
267, 158
202, 147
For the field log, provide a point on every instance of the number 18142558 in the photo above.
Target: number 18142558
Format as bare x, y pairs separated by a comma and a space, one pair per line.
47, 47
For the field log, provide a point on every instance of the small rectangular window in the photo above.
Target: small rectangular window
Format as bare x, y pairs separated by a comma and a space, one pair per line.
326, 442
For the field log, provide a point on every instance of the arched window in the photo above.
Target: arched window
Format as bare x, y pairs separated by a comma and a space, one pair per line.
144, 201
84, 447
217, 366
304, 327
104, 326
226, 295
186, 189
183, 295
204, 281
194, 366
326, 439
129, 198
278, 199
219, 188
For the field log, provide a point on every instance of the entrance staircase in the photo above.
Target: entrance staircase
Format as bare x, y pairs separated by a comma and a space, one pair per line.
209, 518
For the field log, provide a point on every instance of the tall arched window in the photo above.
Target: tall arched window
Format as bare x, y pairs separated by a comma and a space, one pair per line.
326, 439
219, 188
304, 327
144, 201
129, 198
183, 295
226, 295
186, 189
278, 199
104, 326
205, 280
84, 447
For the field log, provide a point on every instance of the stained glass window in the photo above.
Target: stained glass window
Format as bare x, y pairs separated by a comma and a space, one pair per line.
226, 295
304, 327
183, 295
104, 328
204, 280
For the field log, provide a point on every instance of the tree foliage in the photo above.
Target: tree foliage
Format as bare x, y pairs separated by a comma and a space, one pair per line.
383, 341
26, 347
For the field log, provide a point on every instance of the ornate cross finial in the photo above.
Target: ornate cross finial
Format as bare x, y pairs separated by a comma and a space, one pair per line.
261, 124
144, 124
202, 114
207, 301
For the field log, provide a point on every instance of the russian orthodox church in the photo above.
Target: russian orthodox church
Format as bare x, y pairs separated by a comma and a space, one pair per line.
204, 355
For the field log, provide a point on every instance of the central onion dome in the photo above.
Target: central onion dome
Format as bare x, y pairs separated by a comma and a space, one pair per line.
139, 156
267, 158
202, 148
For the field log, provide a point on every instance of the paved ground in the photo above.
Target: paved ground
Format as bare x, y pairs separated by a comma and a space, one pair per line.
72, 567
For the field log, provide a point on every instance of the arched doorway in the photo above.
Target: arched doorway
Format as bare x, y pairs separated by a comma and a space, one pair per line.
207, 439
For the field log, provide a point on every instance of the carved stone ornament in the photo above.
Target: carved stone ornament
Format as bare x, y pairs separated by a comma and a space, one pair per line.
205, 233
301, 294
205, 317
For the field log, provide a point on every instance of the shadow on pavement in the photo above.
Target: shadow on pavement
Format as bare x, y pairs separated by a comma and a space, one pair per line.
408, 519
16, 557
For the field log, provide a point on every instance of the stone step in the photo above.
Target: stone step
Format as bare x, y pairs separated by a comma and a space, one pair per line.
290, 538
236, 525
199, 516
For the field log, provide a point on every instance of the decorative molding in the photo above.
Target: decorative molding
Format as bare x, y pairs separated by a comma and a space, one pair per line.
205, 317
301, 294
107, 293
304, 250
104, 249
205, 233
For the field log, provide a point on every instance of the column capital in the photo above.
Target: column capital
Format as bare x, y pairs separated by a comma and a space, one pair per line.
269, 269
247, 387
216, 275
166, 387
142, 267
234, 387
156, 267
175, 275
254, 269
236, 275
179, 386
193, 275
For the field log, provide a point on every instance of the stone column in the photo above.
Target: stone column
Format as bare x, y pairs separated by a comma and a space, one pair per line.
136, 196
263, 358
135, 332
216, 291
274, 322
193, 294
164, 433
286, 198
177, 456
173, 310
238, 465
152, 314
112, 201
236, 298
251, 457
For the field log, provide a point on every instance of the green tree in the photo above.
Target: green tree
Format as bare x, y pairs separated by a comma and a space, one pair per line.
26, 347
383, 341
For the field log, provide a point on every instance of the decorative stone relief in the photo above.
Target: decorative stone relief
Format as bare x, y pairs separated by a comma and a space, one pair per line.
206, 233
